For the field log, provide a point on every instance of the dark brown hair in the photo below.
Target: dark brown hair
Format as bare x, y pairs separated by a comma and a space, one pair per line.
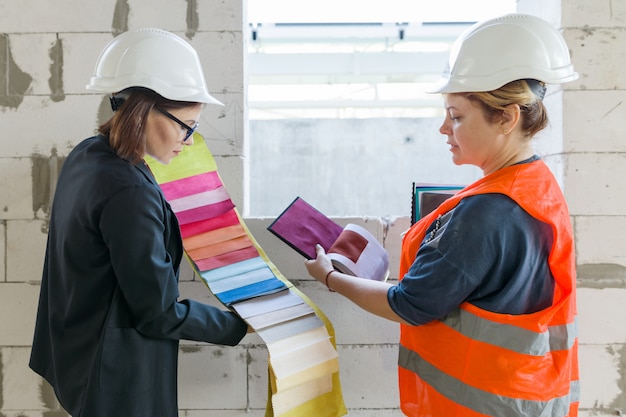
126, 129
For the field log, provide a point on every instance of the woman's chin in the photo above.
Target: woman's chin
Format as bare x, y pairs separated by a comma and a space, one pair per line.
164, 161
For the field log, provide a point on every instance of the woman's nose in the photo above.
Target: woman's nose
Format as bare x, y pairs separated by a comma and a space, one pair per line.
444, 129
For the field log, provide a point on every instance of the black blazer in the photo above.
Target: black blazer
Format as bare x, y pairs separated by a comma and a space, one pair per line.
109, 319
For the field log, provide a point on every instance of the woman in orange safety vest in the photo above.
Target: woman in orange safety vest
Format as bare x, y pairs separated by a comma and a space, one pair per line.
486, 297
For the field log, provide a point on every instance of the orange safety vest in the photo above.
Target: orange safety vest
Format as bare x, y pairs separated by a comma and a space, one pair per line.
475, 362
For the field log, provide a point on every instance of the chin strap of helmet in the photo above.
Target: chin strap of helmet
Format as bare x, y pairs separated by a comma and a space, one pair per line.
116, 102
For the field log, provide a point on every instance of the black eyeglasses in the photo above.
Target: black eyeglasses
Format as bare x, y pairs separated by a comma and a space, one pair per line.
190, 129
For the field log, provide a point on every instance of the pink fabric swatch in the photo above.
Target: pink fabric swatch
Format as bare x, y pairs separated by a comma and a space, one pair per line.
191, 185
228, 258
205, 212
302, 226
198, 200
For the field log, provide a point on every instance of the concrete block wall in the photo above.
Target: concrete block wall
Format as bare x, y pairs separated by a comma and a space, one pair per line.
595, 144
47, 52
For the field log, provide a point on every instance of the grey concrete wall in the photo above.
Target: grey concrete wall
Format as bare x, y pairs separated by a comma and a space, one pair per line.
348, 167
47, 51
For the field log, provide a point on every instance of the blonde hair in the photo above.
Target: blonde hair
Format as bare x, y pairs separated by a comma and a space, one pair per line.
534, 116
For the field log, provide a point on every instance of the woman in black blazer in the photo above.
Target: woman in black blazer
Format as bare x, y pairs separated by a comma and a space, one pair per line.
109, 318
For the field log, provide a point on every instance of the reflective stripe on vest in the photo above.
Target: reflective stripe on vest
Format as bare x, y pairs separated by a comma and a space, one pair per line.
517, 339
482, 401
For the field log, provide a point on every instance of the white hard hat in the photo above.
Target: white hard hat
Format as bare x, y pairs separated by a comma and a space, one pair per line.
153, 59
497, 51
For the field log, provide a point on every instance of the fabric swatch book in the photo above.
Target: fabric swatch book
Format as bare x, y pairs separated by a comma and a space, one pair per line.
352, 249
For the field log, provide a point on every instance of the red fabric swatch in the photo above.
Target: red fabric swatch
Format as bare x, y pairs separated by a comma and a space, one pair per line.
349, 244
229, 218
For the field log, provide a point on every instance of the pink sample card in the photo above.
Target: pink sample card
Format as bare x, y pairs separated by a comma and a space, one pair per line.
301, 226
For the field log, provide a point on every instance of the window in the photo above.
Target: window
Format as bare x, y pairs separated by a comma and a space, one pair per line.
337, 109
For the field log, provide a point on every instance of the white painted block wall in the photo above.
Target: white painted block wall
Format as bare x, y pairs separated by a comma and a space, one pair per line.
230, 382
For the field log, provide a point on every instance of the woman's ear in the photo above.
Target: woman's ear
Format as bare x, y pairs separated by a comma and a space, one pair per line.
510, 118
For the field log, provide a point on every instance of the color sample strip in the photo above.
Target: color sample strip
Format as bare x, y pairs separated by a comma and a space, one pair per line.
303, 362
287, 329
192, 201
289, 399
321, 406
192, 185
218, 235
195, 160
225, 259
233, 269
251, 308
205, 212
229, 218
247, 292
271, 318
240, 280
220, 248
288, 377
